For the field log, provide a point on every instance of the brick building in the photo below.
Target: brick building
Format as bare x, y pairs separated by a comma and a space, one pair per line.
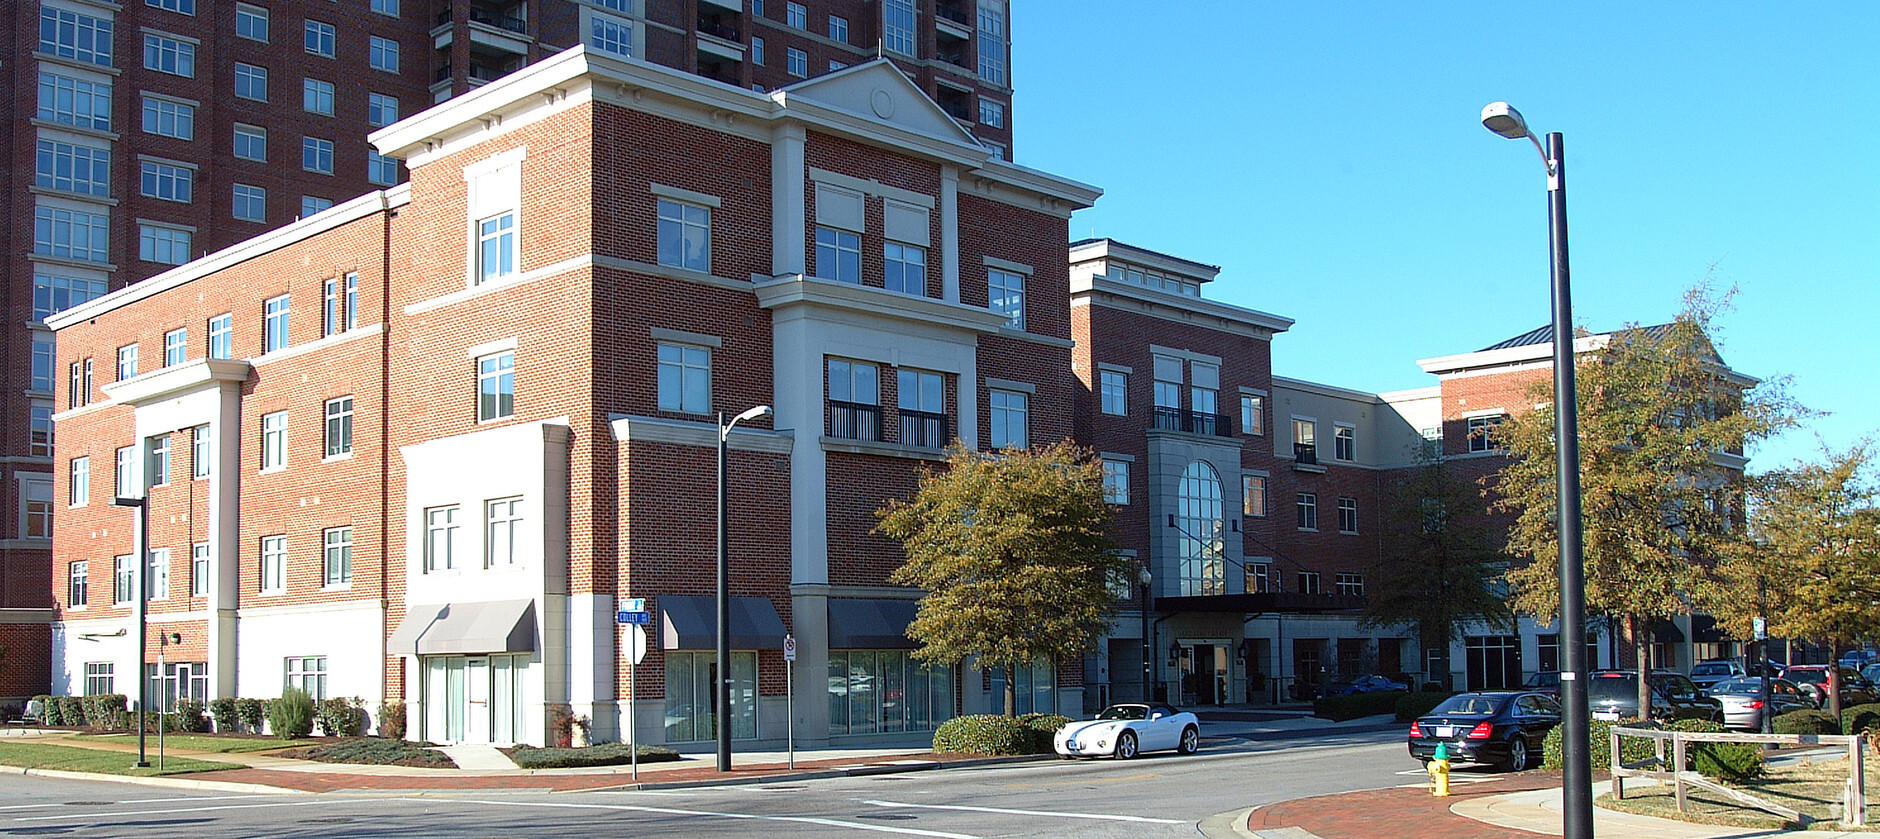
158, 131
491, 417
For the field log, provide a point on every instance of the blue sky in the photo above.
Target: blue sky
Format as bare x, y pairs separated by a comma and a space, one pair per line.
1330, 158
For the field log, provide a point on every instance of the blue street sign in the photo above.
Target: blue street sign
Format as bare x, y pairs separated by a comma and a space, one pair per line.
633, 617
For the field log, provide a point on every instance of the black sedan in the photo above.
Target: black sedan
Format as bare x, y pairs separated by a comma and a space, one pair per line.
1504, 728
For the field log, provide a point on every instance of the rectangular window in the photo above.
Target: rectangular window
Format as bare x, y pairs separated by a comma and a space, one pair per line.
1344, 443
80, 482
991, 114
685, 375
307, 673
124, 579
1009, 413
320, 39
52, 295
757, 51
251, 22
339, 426
1005, 293
73, 168
1168, 382
329, 307
922, 401
1308, 511
169, 55
316, 155
316, 97
503, 526
496, 386
1351, 585
78, 392
175, 347
78, 586
273, 564
389, 8
337, 556
36, 499
904, 268
352, 301
838, 29
796, 62
685, 236
43, 361
222, 336
313, 205
897, 26
167, 181
71, 234
1253, 495
125, 478
274, 320
74, 102
157, 574
251, 82
1482, 433
160, 460
610, 35
100, 678
440, 538
1113, 387
163, 245
381, 109
1347, 515
1308, 582
1116, 481
40, 431
992, 41
1252, 414
251, 203
169, 118
496, 247
199, 452
1259, 577
186, 7
274, 440
382, 54
381, 170
839, 255
75, 36
1305, 440
794, 14
854, 400
199, 569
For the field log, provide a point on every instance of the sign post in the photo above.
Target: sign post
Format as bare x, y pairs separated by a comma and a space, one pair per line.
633, 614
789, 695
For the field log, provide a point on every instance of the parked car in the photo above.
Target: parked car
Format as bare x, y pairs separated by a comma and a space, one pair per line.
1365, 684
1871, 672
1613, 695
1704, 674
1859, 658
1128, 730
1742, 701
1813, 678
1546, 681
1505, 728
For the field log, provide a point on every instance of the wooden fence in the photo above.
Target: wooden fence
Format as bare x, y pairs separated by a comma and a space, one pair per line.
1853, 795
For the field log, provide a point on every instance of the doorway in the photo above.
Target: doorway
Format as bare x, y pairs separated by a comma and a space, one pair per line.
475, 699
1205, 673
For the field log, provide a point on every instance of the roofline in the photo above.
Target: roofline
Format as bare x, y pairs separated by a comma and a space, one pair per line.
1253, 318
1327, 390
1106, 246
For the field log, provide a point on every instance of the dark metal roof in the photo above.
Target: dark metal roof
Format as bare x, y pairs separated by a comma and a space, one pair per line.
1545, 335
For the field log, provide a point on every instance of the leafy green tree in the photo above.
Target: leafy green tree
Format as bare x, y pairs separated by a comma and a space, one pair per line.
1014, 552
1663, 425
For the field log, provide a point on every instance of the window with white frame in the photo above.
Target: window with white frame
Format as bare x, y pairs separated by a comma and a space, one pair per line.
71, 234
79, 393
1308, 582
1259, 576
168, 181
316, 155
54, 294
199, 569
316, 97
157, 574
251, 143
167, 117
1204, 394
222, 336
78, 583
186, 7
336, 556
351, 293
991, 114
1351, 585
757, 51
1005, 294
41, 427
100, 678
160, 460
839, 255
124, 480
382, 54
796, 15
307, 673
496, 247
381, 109
251, 203
251, 82
502, 529
854, 400
1253, 495
1168, 382
897, 26
314, 204
251, 22
610, 34
273, 564
921, 398
200, 459
339, 426
685, 375
1347, 515
73, 168
124, 579
274, 320
43, 361
36, 508
80, 485
440, 538
163, 244
1252, 413
330, 323
991, 41
1113, 391
1344, 443
381, 170
1483, 433
685, 235
904, 268
274, 440
1308, 508
838, 29
321, 39
835, 65
496, 386
389, 8
1305, 434
79, 37
166, 54
796, 62
1010, 415
74, 102
1200, 511
1115, 480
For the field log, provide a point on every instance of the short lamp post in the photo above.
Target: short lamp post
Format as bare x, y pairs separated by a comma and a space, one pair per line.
140, 605
1148, 643
164, 640
1577, 770
723, 687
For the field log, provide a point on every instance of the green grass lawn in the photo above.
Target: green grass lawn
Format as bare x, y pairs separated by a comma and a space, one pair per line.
1813, 789
80, 759
199, 742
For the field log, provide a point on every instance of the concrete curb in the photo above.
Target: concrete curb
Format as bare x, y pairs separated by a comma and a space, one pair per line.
857, 771
158, 781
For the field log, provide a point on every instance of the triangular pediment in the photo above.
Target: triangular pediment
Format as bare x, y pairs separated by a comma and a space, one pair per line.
876, 91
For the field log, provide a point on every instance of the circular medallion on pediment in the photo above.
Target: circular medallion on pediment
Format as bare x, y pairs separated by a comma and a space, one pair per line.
883, 103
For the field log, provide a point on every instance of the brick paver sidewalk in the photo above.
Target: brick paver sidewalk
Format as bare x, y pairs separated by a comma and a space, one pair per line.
1398, 812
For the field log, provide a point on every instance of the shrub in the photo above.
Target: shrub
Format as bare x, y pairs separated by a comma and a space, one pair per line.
251, 712
1041, 728
392, 720
1860, 718
982, 734
341, 717
1434, 687
291, 716
561, 725
107, 711
374, 752
1412, 705
609, 754
1733, 762
49, 710
1599, 742
228, 718
1354, 705
186, 716
1806, 722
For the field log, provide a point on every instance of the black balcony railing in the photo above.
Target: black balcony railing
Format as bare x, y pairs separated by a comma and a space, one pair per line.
490, 17
955, 57
956, 109
718, 30
953, 13
922, 429
1306, 453
485, 73
443, 73
855, 421
1193, 422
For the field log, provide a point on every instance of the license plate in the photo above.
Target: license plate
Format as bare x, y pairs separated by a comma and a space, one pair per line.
1445, 731
1606, 715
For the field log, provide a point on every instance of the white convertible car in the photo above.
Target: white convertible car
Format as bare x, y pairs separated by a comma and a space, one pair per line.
1128, 730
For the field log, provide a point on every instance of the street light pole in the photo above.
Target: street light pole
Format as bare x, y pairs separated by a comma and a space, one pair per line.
1148, 645
722, 689
1577, 769
140, 547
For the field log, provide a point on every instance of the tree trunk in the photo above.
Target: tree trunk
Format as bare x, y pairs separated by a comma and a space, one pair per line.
1011, 690
1642, 648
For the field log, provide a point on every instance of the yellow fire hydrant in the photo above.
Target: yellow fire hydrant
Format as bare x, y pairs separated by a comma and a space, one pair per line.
1439, 771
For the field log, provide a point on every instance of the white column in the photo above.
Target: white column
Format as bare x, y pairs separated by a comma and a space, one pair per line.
787, 203
224, 541
950, 234
796, 359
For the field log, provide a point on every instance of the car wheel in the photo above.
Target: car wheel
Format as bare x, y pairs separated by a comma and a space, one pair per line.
1125, 746
1191, 741
1517, 754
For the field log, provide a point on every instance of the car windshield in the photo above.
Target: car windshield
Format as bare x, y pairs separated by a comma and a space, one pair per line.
1545, 679
1124, 712
1718, 669
1813, 677
1619, 687
1469, 706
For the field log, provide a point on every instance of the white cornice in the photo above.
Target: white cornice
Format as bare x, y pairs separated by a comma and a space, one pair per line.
1181, 308
1111, 249
188, 376
1325, 390
1505, 357
800, 290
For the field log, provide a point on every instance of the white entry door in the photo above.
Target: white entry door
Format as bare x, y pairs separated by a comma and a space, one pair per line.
477, 700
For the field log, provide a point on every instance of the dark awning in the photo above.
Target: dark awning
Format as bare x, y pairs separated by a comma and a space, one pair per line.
1289, 602
690, 622
499, 626
1665, 632
860, 624
1704, 630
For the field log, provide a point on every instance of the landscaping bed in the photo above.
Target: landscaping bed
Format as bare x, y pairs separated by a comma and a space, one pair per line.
605, 754
1811, 788
373, 751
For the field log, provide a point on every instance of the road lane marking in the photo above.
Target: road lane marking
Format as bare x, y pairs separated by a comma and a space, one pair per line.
1082, 781
128, 802
171, 811
1006, 812
671, 811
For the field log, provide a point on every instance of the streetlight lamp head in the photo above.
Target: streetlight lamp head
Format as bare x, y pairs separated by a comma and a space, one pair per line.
1503, 119
754, 413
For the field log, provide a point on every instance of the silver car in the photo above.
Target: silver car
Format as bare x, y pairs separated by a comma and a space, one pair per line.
1742, 701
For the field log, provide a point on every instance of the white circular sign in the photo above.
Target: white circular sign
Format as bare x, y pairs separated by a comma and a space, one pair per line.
789, 648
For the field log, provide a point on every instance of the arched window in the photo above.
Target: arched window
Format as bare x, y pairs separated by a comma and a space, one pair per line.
1199, 525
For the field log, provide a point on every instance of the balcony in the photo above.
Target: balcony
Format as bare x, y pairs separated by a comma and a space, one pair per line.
1192, 422
953, 12
717, 29
492, 17
855, 421
1306, 458
924, 430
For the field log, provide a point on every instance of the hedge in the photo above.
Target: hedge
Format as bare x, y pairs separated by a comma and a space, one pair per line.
607, 754
1860, 719
1725, 761
340, 717
1734, 762
1354, 705
1806, 722
983, 734
1041, 728
1413, 705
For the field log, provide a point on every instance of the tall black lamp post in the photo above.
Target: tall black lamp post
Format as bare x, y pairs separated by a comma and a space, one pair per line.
1148, 644
1577, 764
723, 687
140, 552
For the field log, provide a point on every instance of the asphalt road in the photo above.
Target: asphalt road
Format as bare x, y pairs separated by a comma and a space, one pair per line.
1161, 795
